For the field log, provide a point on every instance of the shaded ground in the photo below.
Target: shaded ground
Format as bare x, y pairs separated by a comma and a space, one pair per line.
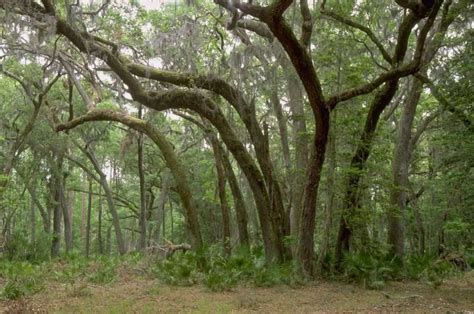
135, 295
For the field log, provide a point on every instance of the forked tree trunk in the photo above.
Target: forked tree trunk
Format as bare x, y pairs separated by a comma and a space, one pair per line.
308, 221
351, 197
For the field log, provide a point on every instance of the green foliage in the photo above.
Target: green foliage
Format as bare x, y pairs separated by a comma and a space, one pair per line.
107, 104
104, 271
223, 273
429, 269
20, 248
179, 270
22, 278
73, 267
372, 271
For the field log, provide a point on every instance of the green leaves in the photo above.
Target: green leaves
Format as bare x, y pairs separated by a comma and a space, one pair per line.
22, 279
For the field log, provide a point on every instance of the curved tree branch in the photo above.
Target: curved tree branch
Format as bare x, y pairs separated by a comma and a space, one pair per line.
167, 150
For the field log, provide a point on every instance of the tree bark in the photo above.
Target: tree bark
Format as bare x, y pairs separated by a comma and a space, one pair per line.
405, 143
300, 140
102, 179
88, 219
67, 217
239, 203
99, 228
33, 221
141, 176
380, 101
221, 185
160, 207
331, 193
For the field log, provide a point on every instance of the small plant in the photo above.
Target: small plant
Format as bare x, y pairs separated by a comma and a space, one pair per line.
105, 272
179, 270
71, 269
19, 248
79, 291
22, 279
371, 271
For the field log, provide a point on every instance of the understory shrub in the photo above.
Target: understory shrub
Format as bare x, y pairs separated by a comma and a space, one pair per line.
223, 273
22, 278
429, 268
20, 248
104, 270
372, 271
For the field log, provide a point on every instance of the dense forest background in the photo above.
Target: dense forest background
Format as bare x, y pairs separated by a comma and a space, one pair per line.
332, 136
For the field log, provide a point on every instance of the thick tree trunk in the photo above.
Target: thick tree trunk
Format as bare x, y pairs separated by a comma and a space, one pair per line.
308, 221
57, 200
351, 198
57, 211
420, 229
331, 193
300, 140
285, 147
239, 203
221, 186
400, 166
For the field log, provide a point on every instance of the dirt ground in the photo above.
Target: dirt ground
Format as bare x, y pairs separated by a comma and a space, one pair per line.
134, 295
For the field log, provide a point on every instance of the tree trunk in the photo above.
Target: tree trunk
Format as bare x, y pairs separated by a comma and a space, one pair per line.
57, 211
221, 183
351, 198
67, 216
88, 219
331, 193
83, 213
57, 201
99, 227
160, 207
308, 221
141, 176
109, 197
400, 166
300, 140
45, 217
283, 131
33, 221
239, 203
380, 101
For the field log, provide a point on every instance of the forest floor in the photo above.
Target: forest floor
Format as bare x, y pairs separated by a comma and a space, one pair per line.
132, 294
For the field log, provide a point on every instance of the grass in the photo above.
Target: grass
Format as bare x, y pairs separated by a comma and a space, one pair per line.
129, 294
242, 282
